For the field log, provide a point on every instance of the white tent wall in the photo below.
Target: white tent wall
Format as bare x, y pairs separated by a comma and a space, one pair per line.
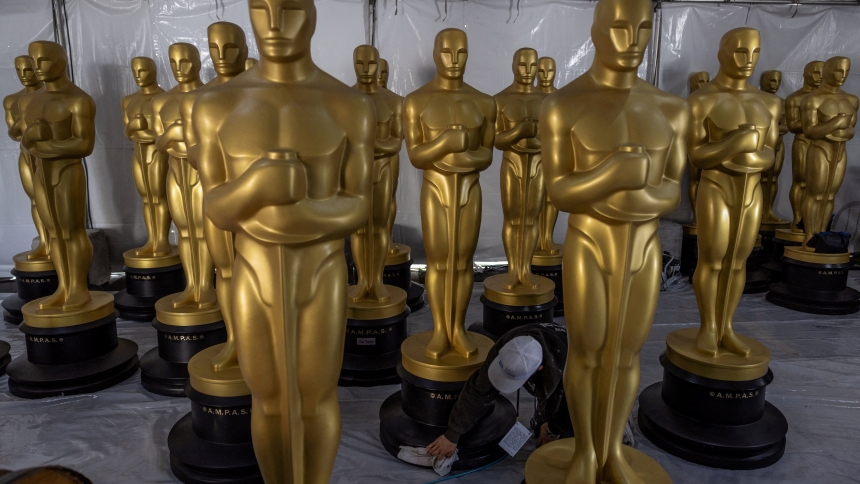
21, 22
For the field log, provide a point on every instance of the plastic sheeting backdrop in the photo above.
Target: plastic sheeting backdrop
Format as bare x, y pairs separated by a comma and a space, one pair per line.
106, 34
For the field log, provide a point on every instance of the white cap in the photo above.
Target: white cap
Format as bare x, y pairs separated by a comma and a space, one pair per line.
515, 363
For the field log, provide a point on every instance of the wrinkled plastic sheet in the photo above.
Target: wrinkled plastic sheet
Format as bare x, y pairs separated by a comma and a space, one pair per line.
119, 435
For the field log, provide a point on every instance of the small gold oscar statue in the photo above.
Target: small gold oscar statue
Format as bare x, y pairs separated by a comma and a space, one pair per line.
289, 150
448, 127
689, 241
34, 269
733, 136
815, 281
519, 296
72, 345
613, 148
383, 73
770, 82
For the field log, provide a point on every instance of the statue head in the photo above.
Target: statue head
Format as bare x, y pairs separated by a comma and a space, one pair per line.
546, 71
383, 72
25, 71
450, 53
812, 73
770, 81
227, 48
620, 32
739, 52
144, 71
698, 79
49, 60
366, 63
283, 28
836, 71
525, 66
184, 62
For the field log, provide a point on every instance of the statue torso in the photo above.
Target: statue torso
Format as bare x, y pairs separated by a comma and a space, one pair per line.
513, 108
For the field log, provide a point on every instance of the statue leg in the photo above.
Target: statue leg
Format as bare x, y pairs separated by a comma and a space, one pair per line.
360, 246
380, 238
837, 167
157, 169
434, 226
178, 209
205, 294
27, 170
220, 245
693, 189
139, 170
713, 212
586, 322
817, 176
798, 178
512, 212
70, 203
58, 253
774, 172
467, 243
395, 174
531, 224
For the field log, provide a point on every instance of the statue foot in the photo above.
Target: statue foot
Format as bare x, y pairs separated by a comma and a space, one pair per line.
582, 470
706, 343
184, 298
55, 300
358, 292
207, 300
510, 282
77, 300
40, 252
733, 344
161, 250
438, 345
530, 282
618, 471
379, 294
463, 345
225, 358
145, 251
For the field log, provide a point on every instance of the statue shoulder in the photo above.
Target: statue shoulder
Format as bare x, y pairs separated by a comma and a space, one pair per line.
10, 100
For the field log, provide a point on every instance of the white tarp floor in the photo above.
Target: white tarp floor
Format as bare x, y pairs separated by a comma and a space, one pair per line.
120, 435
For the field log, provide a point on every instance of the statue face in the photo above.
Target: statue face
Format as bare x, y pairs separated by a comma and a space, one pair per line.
525, 66
366, 63
770, 81
620, 32
812, 73
739, 52
49, 60
836, 71
144, 71
184, 62
25, 71
283, 28
698, 79
450, 53
383, 71
546, 71
227, 48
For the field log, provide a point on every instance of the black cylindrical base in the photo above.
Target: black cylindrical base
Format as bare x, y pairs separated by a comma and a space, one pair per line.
144, 287
372, 351
774, 266
212, 444
553, 273
815, 288
415, 297
5, 358
30, 286
689, 254
418, 414
715, 423
399, 275
758, 279
501, 318
164, 369
72, 360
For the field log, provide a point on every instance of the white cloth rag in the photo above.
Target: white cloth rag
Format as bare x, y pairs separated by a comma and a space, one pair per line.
418, 456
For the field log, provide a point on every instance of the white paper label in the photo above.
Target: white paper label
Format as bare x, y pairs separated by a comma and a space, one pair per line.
366, 341
515, 439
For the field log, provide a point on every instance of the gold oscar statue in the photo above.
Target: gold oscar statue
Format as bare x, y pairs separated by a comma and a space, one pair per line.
250, 62
800, 145
38, 259
828, 116
613, 148
148, 164
697, 80
296, 147
383, 73
522, 190
58, 130
548, 253
770, 82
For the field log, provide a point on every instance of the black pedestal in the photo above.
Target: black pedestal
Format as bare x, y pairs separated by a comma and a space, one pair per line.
144, 287
31, 285
372, 351
758, 278
689, 254
72, 360
725, 424
4, 357
164, 369
212, 444
774, 265
399, 275
418, 414
815, 288
501, 318
554, 274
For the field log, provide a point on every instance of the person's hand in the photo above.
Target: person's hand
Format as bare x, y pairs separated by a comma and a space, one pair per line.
545, 436
441, 447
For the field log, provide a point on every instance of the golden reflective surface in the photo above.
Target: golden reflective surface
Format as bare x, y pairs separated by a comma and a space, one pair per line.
100, 305
798, 253
727, 366
697, 80
770, 82
548, 465
451, 367
187, 315
811, 80
131, 259
224, 383
547, 251
613, 157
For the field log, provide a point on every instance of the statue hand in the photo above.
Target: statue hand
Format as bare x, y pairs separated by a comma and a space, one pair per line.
528, 128
456, 140
138, 123
746, 138
40, 130
174, 131
279, 178
630, 166
841, 121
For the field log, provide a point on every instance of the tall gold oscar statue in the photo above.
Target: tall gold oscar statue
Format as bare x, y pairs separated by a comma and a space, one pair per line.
613, 148
770, 82
697, 80
449, 131
296, 147
519, 296
548, 253
58, 129
383, 73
